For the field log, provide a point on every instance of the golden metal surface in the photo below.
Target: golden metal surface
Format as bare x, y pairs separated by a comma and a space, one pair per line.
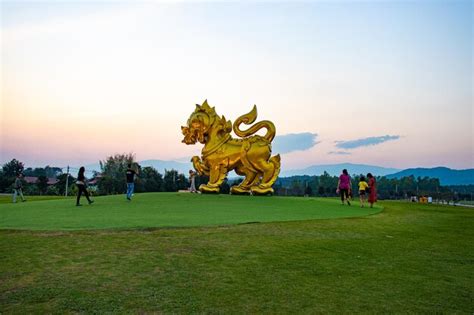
249, 156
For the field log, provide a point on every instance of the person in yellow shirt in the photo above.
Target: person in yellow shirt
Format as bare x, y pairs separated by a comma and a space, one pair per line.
363, 186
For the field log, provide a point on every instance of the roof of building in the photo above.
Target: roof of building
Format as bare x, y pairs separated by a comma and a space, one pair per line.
34, 179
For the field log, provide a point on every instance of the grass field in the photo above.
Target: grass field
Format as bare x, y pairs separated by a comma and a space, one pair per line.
7, 198
410, 258
169, 210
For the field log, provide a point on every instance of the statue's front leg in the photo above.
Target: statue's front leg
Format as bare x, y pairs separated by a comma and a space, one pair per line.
199, 166
217, 176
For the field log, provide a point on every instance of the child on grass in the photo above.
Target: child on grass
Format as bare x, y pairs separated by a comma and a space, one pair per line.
362, 190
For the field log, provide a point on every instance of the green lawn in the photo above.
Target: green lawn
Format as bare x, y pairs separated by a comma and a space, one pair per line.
169, 210
410, 258
4, 198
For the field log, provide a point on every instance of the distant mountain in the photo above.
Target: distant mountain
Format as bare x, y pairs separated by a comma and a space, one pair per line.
336, 169
446, 175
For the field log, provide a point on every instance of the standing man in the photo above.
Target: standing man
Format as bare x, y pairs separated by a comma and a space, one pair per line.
18, 188
130, 181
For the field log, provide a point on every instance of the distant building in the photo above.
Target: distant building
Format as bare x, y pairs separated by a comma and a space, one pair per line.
34, 180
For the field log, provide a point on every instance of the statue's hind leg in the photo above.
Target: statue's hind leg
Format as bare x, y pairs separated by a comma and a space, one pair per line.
249, 180
270, 171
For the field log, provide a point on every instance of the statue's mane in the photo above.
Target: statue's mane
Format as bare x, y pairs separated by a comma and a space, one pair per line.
211, 118
205, 108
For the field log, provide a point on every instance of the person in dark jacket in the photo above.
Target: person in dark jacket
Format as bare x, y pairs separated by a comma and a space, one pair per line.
130, 175
81, 184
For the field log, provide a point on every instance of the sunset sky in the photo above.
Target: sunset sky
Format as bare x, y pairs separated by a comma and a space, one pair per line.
385, 83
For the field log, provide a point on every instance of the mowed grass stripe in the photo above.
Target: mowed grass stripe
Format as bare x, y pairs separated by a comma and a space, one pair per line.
170, 210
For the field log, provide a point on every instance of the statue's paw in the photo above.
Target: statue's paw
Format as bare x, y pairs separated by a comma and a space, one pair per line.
238, 190
258, 190
207, 189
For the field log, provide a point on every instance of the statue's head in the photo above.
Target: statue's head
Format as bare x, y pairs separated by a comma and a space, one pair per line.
201, 122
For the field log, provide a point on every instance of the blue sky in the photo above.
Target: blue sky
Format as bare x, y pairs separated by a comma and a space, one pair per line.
348, 73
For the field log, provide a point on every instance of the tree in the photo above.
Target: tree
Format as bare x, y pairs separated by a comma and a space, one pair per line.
31, 190
113, 170
4, 182
151, 180
321, 191
52, 191
296, 188
170, 180
48, 171
182, 183
52, 172
173, 181
13, 168
329, 183
9, 171
36, 172
42, 183
61, 184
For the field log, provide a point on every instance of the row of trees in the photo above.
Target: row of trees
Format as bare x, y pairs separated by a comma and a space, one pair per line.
325, 185
48, 171
111, 180
9, 171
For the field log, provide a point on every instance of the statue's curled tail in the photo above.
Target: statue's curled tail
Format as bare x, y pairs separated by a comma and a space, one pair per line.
249, 119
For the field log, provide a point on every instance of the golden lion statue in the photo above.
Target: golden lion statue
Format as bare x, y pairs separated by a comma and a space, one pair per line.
249, 156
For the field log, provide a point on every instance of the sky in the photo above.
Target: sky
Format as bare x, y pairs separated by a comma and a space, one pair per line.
385, 83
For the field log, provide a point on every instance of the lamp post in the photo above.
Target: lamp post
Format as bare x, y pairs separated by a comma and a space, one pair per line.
67, 181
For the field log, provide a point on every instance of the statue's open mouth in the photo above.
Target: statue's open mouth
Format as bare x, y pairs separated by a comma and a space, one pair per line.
189, 141
191, 135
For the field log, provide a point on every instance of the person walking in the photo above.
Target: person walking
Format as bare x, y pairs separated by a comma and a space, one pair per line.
372, 190
81, 184
344, 186
192, 179
130, 174
18, 188
362, 190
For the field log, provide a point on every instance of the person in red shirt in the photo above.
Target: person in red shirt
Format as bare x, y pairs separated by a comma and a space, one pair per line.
372, 190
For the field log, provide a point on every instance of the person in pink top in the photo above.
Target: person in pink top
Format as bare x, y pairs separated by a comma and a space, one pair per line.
344, 186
